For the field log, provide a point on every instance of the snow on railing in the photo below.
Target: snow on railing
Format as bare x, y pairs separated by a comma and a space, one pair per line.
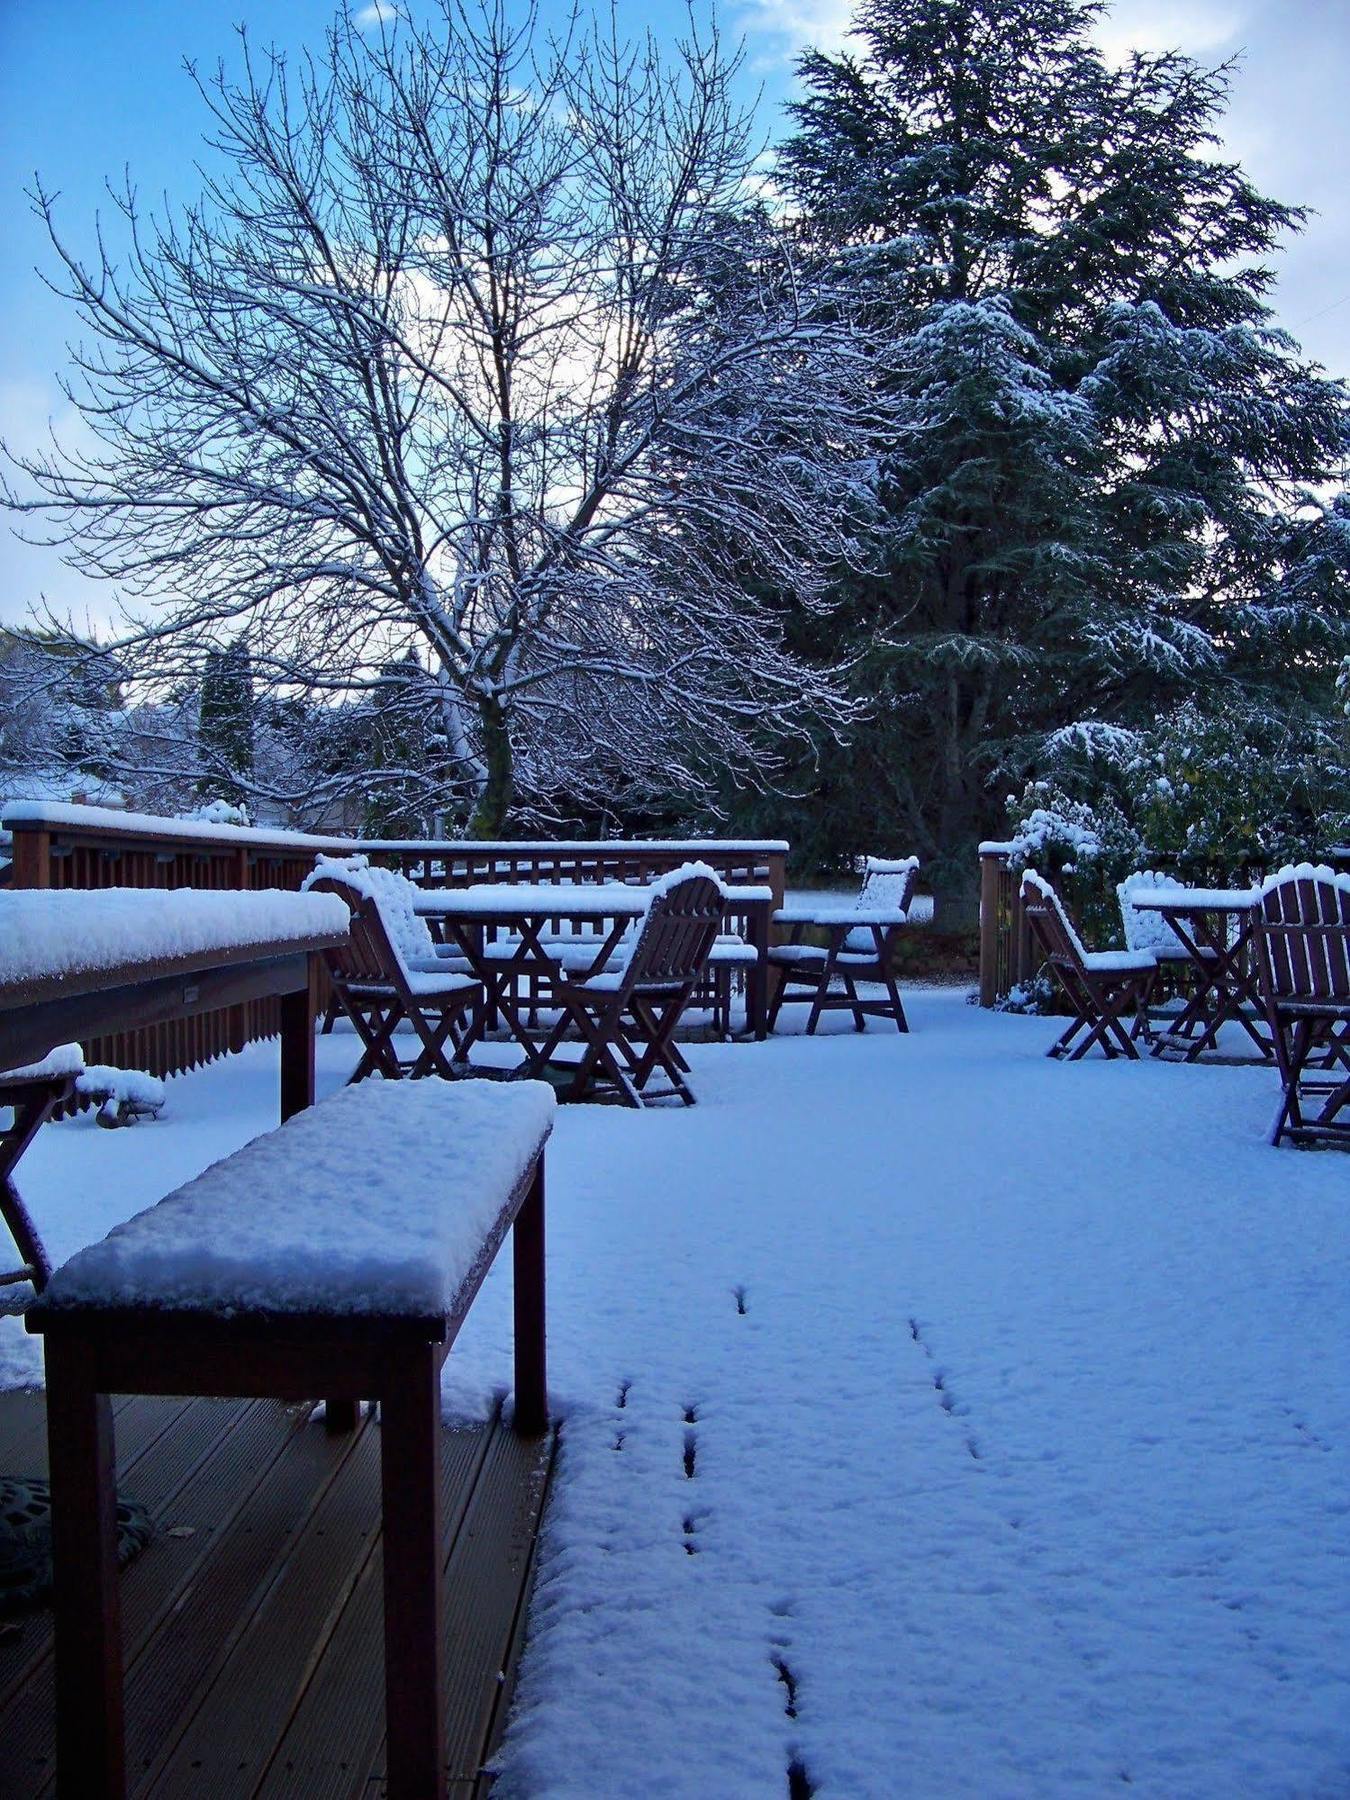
57, 816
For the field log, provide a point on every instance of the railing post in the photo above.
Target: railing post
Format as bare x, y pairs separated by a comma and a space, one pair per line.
991, 862
32, 857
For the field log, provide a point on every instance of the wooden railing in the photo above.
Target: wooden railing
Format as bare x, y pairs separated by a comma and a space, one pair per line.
94, 847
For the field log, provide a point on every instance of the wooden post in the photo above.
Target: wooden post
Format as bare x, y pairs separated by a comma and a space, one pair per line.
527, 1245
32, 856
410, 1457
761, 935
769, 974
990, 866
90, 1749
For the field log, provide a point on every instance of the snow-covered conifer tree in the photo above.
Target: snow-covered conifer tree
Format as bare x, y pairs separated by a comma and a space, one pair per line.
1104, 491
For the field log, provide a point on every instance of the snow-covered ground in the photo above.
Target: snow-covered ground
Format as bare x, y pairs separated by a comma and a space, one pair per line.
938, 1418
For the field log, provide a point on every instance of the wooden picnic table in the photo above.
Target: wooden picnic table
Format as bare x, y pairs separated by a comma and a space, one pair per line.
1215, 927
501, 930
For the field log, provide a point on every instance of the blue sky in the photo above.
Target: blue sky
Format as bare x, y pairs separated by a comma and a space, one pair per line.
88, 87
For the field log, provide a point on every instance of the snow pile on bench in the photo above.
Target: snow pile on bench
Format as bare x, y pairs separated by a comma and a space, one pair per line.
375, 1202
72, 931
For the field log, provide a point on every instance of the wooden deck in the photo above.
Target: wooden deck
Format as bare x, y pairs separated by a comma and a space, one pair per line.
252, 1622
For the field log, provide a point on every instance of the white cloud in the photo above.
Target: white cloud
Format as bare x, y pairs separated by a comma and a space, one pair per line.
379, 12
795, 24
1200, 28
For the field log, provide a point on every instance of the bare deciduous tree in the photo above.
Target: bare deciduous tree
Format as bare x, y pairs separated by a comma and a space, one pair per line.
483, 345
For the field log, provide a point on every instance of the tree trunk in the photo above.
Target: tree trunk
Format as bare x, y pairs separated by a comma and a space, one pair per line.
495, 795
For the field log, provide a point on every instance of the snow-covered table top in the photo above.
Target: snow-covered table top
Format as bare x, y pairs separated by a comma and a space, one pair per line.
377, 1202
1184, 899
506, 900
839, 913
57, 941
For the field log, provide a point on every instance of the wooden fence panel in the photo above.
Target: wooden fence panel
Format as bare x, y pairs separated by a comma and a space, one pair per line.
93, 847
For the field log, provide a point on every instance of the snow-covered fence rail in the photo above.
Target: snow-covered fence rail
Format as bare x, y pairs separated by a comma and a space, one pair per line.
69, 846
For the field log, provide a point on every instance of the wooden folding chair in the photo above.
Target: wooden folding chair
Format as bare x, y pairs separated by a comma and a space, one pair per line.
30, 1097
1302, 941
860, 940
377, 991
627, 1014
1101, 986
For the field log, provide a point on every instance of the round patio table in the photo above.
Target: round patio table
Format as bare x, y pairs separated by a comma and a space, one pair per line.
1215, 927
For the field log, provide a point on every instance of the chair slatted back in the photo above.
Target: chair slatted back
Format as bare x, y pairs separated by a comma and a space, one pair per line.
367, 957
679, 930
888, 887
1050, 923
1304, 935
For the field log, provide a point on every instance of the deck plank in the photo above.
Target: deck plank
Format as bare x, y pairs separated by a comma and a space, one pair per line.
237, 1438
253, 1638
262, 1666
141, 1475
336, 1732
479, 1624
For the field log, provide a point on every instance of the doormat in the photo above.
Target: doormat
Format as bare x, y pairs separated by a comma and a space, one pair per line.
26, 1539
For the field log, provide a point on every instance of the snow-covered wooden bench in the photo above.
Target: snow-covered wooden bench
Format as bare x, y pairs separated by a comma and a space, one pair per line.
338, 1255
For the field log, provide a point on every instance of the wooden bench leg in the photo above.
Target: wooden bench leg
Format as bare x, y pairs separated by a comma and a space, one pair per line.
527, 1246
340, 1415
410, 1474
90, 1748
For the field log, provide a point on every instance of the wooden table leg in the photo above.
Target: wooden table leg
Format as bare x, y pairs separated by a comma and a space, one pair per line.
90, 1748
410, 1474
527, 1246
297, 1045
758, 977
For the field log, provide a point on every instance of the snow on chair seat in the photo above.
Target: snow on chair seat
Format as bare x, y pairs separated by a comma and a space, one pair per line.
1099, 985
337, 1256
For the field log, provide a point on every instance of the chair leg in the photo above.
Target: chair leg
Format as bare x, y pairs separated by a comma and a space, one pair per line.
893, 992
854, 1004
1291, 1054
817, 1005
776, 1004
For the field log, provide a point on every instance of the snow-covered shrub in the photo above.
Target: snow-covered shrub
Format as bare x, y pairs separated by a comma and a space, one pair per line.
217, 812
1038, 995
1220, 796
1082, 847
